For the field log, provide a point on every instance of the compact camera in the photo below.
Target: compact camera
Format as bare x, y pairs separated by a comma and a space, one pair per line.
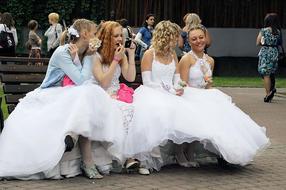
128, 43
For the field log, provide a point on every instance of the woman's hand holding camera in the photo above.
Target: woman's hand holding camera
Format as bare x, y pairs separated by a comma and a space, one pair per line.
131, 49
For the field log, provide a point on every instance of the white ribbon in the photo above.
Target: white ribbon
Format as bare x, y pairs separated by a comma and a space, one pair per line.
73, 32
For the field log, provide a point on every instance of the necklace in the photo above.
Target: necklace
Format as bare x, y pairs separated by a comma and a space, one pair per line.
196, 56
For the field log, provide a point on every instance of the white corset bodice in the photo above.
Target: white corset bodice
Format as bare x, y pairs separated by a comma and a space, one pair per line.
163, 72
197, 71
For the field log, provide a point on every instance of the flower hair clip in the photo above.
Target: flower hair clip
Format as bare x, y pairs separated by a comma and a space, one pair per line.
73, 32
94, 43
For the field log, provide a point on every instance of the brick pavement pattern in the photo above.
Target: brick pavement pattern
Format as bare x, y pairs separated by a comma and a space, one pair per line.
268, 170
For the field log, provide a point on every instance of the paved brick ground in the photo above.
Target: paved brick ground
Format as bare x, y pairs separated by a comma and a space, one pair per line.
268, 170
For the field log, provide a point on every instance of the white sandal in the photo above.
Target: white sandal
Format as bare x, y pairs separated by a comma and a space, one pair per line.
144, 171
132, 164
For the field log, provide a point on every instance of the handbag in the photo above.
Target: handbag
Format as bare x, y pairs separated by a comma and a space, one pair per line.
7, 39
125, 93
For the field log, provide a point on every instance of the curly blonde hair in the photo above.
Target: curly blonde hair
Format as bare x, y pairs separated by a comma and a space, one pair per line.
104, 34
164, 33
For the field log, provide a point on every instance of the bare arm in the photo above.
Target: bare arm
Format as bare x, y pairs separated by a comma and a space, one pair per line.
184, 67
258, 39
146, 63
105, 78
211, 62
210, 80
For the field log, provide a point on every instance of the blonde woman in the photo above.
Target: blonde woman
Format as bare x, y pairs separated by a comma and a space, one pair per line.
196, 67
156, 102
165, 110
53, 33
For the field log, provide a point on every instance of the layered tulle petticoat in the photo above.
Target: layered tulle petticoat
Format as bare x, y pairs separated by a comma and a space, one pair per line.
201, 115
33, 137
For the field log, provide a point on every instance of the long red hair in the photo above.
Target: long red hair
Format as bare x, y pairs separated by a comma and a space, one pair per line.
107, 47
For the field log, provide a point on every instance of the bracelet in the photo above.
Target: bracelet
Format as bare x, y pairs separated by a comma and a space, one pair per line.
115, 58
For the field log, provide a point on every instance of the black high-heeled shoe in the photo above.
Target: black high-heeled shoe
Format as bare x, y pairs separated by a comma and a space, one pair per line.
272, 93
269, 97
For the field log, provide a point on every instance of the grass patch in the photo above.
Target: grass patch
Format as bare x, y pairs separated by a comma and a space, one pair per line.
251, 82
3, 104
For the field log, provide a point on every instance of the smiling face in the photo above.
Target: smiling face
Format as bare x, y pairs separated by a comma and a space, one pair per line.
117, 36
197, 40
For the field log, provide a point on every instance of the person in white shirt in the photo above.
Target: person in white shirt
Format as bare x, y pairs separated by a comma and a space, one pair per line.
8, 30
53, 33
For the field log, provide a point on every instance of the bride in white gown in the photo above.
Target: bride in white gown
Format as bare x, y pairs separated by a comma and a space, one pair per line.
32, 141
161, 114
109, 64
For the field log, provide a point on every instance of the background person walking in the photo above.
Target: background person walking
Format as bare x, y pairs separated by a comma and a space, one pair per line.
269, 38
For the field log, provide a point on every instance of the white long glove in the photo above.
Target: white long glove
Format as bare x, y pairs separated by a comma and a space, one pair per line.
176, 80
178, 83
146, 79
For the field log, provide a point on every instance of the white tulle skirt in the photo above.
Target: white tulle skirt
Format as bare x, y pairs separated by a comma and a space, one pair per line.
207, 116
32, 141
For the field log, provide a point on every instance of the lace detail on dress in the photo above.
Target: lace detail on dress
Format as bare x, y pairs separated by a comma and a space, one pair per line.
198, 71
127, 111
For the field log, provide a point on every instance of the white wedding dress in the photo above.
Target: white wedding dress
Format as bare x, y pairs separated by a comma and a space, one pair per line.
103, 159
32, 142
207, 116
